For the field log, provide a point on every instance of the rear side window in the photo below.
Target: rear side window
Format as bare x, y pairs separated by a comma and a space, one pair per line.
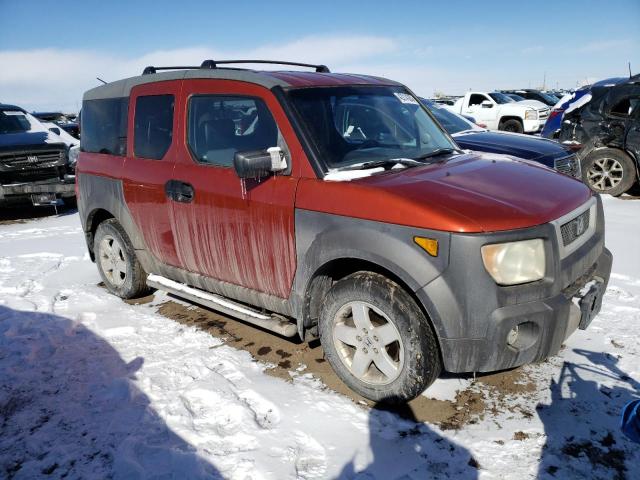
626, 107
153, 126
104, 126
220, 126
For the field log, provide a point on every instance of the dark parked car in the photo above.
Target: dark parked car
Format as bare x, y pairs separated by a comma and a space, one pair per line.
60, 119
570, 102
607, 129
33, 161
469, 136
531, 94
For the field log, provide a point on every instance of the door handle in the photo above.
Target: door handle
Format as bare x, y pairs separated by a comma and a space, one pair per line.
179, 191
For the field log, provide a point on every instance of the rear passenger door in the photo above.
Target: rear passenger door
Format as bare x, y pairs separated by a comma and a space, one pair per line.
236, 231
149, 165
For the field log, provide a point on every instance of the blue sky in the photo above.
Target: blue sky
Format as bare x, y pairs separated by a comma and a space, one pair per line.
50, 52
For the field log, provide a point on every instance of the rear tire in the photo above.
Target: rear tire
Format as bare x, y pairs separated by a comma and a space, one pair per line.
377, 339
117, 262
608, 170
512, 125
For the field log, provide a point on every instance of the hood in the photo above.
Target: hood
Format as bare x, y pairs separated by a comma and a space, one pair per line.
537, 104
30, 140
469, 193
515, 144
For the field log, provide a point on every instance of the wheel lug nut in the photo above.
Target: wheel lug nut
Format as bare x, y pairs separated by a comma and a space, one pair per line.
364, 330
375, 350
365, 350
375, 338
359, 338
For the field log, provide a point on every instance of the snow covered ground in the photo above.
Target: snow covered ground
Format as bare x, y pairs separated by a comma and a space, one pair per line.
93, 387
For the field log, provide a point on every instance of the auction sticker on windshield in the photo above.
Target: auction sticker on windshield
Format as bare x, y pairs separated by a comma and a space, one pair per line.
406, 98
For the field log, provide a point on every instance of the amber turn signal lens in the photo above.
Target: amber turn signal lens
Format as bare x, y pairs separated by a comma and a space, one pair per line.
429, 245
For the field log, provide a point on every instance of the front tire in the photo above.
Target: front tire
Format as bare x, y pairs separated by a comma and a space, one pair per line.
377, 339
512, 125
117, 262
608, 170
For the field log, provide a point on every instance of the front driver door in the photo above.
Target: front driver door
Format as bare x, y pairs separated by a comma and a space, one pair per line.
236, 231
482, 114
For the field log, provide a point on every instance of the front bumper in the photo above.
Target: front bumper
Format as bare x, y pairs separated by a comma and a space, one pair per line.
533, 126
63, 188
475, 318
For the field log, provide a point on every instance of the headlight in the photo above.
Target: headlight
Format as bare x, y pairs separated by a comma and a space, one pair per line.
515, 262
74, 153
530, 115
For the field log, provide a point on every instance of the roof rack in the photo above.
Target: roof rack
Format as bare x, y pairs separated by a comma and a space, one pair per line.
212, 64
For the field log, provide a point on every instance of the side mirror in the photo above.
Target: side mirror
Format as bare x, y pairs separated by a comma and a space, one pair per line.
486, 104
259, 163
55, 130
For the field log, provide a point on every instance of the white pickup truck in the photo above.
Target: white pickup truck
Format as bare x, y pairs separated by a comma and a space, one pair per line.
499, 112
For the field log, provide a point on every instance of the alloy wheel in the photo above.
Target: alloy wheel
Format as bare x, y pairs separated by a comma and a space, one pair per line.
605, 174
368, 343
113, 260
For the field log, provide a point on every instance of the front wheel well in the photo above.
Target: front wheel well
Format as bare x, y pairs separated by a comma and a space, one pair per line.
337, 269
506, 118
94, 219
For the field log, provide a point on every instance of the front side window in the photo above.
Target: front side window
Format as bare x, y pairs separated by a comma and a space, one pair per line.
477, 99
219, 126
153, 126
355, 124
104, 126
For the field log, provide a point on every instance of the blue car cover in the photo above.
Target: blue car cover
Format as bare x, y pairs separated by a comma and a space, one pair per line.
630, 423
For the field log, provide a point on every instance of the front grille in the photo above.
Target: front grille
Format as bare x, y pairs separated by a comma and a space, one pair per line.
568, 165
575, 228
33, 159
542, 114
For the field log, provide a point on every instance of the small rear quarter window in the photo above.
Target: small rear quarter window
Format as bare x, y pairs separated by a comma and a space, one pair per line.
104, 126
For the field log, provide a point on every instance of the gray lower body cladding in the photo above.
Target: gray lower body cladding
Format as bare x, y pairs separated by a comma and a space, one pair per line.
473, 315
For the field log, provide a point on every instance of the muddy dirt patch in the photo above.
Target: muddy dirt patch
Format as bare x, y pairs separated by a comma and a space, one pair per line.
287, 357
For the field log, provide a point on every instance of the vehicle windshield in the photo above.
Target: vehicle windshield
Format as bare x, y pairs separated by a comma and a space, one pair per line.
515, 97
15, 121
501, 98
450, 121
551, 99
355, 124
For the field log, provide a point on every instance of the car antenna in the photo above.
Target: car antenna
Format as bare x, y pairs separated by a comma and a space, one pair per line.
101, 80
629, 63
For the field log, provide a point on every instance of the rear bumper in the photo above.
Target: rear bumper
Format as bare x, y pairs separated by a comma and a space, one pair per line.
63, 188
475, 318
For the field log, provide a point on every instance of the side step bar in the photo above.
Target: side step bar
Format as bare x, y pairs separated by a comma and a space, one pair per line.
223, 305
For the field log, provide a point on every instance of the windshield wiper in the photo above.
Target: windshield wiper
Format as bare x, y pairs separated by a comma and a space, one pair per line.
436, 153
407, 162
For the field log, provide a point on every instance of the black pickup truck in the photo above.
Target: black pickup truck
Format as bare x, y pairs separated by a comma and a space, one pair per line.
34, 162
